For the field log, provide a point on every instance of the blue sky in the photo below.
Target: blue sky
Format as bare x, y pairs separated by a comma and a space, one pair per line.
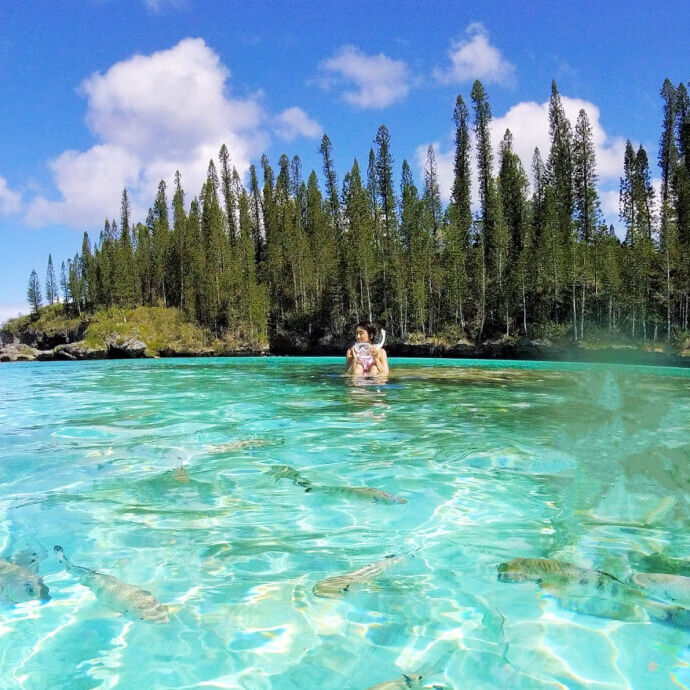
99, 94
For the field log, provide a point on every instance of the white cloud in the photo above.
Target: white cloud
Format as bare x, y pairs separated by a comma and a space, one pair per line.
379, 80
153, 114
90, 185
294, 122
158, 6
10, 202
529, 124
445, 161
10, 310
475, 58
609, 203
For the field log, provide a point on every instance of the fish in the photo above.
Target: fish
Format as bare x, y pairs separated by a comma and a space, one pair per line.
287, 472
412, 681
336, 586
671, 588
19, 580
131, 601
537, 569
365, 492
242, 444
592, 592
180, 475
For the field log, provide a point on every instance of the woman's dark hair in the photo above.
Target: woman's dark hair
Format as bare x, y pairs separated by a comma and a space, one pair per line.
369, 328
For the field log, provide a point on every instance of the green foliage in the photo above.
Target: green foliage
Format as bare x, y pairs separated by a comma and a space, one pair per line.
292, 258
51, 319
51, 282
560, 162
157, 327
33, 293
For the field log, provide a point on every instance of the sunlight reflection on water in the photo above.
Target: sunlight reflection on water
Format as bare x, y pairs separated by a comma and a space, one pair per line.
496, 460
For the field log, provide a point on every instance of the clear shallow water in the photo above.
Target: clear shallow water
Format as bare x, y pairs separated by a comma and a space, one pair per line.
496, 460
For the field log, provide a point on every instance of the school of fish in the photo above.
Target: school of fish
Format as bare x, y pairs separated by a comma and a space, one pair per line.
594, 592
659, 597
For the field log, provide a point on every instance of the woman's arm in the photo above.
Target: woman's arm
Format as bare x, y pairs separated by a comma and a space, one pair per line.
382, 361
350, 360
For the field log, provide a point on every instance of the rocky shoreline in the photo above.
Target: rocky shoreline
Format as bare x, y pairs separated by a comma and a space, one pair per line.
519, 349
115, 348
69, 346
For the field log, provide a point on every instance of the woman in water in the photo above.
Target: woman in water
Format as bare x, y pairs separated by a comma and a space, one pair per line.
364, 358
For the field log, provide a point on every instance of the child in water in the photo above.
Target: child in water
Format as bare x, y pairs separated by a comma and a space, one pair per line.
372, 360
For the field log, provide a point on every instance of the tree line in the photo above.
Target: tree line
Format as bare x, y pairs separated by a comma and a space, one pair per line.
287, 255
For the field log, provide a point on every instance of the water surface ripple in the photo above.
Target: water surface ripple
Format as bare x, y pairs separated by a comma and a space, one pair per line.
497, 460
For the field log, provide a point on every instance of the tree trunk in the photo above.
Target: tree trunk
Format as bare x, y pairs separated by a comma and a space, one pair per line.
524, 308
668, 297
574, 313
483, 297
610, 315
582, 314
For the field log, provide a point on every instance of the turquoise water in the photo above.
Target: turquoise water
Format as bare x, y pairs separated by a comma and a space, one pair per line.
496, 460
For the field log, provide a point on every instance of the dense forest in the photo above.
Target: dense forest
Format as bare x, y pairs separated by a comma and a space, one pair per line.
286, 255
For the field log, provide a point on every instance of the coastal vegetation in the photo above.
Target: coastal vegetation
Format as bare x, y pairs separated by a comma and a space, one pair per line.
283, 255
56, 333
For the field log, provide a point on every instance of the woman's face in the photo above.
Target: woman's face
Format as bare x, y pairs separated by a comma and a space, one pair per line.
362, 335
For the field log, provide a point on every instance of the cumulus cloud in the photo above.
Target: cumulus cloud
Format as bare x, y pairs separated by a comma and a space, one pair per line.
10, 310
10, 201
152, 114
444, 164
378, 80
609, 199
294, 122
475, 58
529, 125
90, 185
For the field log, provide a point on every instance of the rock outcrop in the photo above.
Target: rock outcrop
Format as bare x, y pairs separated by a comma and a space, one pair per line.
124, 348
182, 351
18, 352
47, 340
79, 350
